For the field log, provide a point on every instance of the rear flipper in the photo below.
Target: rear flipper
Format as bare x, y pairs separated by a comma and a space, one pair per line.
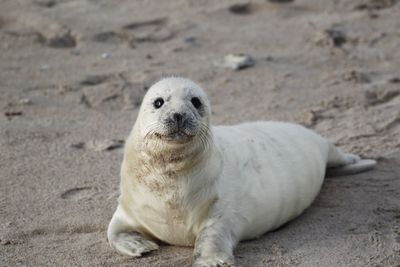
340, 163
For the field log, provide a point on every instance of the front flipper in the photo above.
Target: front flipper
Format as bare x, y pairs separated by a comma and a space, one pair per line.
124, 237
214, 246
132, 244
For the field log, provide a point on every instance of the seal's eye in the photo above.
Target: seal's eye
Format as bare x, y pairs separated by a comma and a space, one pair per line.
196, 102
158, 102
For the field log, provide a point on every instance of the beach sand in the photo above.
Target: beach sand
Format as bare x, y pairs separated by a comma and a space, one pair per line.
72, 76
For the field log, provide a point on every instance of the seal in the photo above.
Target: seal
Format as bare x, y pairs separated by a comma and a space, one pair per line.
187, 183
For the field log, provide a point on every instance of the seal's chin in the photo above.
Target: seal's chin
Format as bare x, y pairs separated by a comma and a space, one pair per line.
177, 137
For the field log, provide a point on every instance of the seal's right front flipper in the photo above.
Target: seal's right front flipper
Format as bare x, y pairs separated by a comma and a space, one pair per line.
132, 244
123, 237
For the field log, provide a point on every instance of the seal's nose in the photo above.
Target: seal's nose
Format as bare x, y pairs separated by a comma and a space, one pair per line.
178, 118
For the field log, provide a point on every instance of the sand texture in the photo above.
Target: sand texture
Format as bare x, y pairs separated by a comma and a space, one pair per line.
72, 76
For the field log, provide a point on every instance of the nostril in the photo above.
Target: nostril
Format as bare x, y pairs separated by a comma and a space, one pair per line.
177, 117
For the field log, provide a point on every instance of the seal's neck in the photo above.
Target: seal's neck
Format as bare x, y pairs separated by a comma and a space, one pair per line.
151, 158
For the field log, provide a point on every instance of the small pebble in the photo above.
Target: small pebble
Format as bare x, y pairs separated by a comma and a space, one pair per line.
105, 55
44, 67
238, 61
240, 8
25, 101
332, 37
190, 39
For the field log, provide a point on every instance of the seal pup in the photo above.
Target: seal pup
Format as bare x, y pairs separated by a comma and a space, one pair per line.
187, 183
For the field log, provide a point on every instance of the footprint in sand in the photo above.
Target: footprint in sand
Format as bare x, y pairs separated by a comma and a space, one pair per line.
92, 80
23, 236
111, 37
375, 5
112, 91
152, 24
153, 31
45, 31
378, 96
78, 193
79, 229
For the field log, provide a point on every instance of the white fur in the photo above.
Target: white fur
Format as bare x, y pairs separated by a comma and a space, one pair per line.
247, 179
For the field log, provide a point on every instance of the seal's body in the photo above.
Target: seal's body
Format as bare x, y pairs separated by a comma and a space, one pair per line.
186, 183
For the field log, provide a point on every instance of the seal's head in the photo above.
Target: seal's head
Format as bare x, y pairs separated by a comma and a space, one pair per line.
174, 110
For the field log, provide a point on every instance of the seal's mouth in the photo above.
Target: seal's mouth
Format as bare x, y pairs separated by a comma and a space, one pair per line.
178, 136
